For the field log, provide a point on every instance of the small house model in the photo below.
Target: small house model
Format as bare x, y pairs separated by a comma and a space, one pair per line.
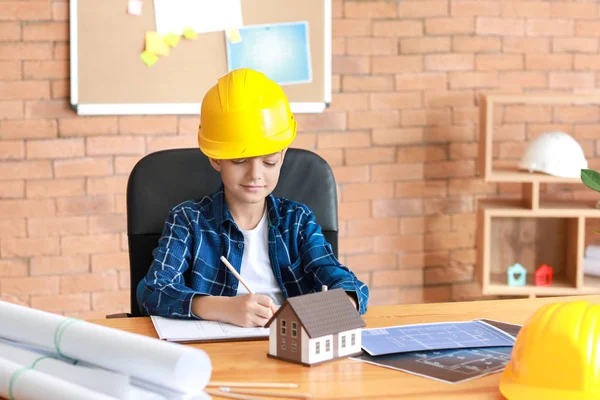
543, 275
315, 328
516, 275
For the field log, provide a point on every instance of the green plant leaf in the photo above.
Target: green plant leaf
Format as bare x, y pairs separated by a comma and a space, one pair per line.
591, 179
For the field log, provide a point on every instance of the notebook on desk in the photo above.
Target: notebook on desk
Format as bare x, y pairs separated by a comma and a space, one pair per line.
189, 331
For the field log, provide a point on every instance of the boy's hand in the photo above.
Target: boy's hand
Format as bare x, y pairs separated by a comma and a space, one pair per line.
249, 310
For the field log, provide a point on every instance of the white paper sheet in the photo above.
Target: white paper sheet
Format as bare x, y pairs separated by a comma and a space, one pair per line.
181, 368
173, 16
180, 330
35, 385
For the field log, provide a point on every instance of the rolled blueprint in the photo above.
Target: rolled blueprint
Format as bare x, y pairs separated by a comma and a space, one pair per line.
28, 384
174, 366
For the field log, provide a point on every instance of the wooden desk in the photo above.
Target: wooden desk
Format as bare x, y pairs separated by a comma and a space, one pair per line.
349, 379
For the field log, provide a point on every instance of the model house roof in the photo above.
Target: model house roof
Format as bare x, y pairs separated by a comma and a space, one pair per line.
323, 313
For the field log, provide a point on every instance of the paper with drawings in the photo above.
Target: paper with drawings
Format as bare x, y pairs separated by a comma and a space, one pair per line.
181, 330
173, 16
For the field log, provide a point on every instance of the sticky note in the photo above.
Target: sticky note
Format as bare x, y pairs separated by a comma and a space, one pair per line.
155, 44
148, 58
233, 35
189, 33
135, 7
172, 39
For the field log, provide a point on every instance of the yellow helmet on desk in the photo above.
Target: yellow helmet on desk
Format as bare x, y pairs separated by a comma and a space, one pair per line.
556, 355
244, 115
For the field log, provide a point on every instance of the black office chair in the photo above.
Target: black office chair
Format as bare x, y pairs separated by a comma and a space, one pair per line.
161, 180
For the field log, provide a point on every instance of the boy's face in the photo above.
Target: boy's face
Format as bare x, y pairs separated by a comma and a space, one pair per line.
250, 180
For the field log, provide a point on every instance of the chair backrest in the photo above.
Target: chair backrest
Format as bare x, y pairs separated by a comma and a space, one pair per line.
164, 179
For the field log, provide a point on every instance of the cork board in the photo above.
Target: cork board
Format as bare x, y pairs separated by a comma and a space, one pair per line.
108, 77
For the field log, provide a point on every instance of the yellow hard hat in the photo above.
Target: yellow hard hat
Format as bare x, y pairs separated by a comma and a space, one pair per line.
244, 115
556, 355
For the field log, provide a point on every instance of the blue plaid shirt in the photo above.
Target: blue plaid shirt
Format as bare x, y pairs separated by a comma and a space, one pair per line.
197, 233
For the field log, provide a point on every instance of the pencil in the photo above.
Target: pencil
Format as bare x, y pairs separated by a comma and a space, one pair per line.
217, 393
266, 393
235, 273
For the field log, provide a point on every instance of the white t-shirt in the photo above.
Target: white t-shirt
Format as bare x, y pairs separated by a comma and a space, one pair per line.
256, 267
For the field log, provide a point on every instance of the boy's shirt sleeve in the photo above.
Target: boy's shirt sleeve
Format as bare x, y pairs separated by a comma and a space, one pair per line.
318, 259
163, 290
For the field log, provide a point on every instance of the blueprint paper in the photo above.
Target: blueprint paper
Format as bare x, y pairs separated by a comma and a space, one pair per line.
435, 336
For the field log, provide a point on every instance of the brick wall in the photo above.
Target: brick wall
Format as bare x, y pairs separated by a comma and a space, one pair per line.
400, 134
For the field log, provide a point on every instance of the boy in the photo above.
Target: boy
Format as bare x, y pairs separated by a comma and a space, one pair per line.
275, 244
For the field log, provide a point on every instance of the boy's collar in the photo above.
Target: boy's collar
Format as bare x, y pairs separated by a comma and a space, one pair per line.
223, 214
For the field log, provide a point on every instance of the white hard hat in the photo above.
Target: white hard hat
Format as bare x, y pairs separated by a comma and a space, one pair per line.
554, 153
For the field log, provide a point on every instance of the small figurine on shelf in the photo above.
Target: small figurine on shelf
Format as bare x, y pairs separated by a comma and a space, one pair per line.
517, 275
543, 275
315, 328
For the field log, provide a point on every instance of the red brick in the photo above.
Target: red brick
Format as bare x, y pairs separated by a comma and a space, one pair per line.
425, 117
10, 31
497, 62
367, 191
60, 11
397, 136
584, 28
371, 46
450, 169
334, 157
584, 132
351, 64
156, 143
12, 150
102, 282
449, 26
474, 8
510, 150
321, 122
533, 130
421, 9
527, 113
421, 189
350, 101
373, 119
83, 167
422, 45
587, 62
55, 148
391, 172
30, 285
449, 62
398, 29
397, 207
355, 245
57, 226
85, 126
437, 223
575, 45
449, 240
11, 110
343, 140
517, 9
306, 141
500, 26
46, 69
462, 222
62, 303
21, 300
351, 27
49, 109
25, 169
351, 174
61, 51
89, 244
411, 154
456, 98
26, 208
383, 244
337, 8
464, 133
110, 261
519, 80
187, 125
476, 44
462, 80
373, 227
371, 262
120, 203
375, 9
354, 209
19, 10
12, 189
412, 295
12, 228
55, 31
449, 274
576, 80
84, 205
11, 90
61, 89
124, 279
27, 248
526, 46
107, 185
14, 267
577, 114
463, 256
338, 46
396, 100
25, 51
509, 132
574, 10
405, 277
396, 64
422, 260
115, 145
59, 265
148, 125
470, 186
421, 81
460, 151
467, 115
55, 187
550, 27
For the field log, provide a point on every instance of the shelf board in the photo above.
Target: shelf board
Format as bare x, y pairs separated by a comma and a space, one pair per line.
558, 288
558, 209
515, 175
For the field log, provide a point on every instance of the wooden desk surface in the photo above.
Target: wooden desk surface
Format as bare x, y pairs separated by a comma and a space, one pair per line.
349, 379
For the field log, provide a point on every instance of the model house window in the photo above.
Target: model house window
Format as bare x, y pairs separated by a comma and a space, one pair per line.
353, 339
282, 344
294, 348
294, 329
343, 342
327, 346
318, 348
283, 326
